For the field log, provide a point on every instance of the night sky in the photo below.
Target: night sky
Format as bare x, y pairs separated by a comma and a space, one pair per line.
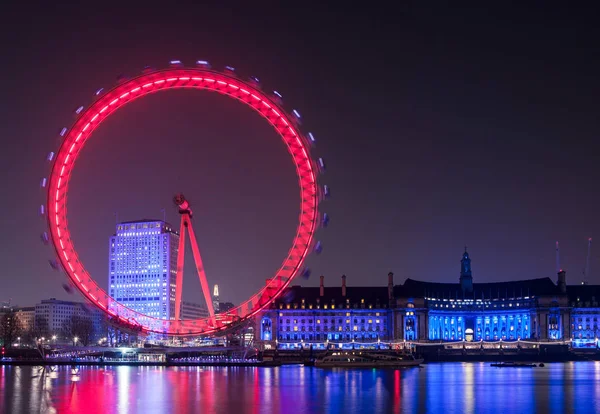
440, 126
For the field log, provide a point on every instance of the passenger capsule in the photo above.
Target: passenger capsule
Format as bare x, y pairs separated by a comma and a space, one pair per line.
321, 164
306, 273
325, 220
67, 288
54, 264
318, 247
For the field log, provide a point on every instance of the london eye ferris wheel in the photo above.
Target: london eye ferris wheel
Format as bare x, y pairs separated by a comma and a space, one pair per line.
201, 77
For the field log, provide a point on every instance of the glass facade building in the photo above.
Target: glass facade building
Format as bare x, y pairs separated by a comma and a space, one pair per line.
142, 267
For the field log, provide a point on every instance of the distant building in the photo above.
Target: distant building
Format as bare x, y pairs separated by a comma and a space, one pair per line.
216, 298
533, 309
58, 314
191, 310
225, 306
143, 266
26, 318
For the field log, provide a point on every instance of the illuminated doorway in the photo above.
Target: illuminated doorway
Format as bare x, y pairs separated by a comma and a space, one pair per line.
469, 335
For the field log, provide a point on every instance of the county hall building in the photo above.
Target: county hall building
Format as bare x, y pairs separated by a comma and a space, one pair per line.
535, 310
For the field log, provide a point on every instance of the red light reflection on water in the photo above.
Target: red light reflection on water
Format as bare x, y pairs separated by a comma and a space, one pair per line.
397, 391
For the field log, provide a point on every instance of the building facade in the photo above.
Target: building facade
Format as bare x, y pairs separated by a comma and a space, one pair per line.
327, 316
26, 317
190, 310
57, 318
536, 310
584, 322
143, 266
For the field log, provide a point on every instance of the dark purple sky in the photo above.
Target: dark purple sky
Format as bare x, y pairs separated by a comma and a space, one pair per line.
440, 127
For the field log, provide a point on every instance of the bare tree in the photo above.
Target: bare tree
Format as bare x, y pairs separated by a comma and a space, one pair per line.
40, 327
10, 328
107, 330
81, 328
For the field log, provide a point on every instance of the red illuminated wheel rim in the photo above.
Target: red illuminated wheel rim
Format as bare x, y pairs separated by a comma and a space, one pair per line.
182, 78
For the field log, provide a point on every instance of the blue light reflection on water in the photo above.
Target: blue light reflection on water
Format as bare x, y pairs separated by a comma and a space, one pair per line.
435, 388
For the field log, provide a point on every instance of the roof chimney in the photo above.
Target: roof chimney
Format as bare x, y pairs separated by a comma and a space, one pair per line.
344, 285
390, 287
322, 287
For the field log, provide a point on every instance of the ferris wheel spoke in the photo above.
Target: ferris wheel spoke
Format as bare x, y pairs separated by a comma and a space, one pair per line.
201, 274
179, 277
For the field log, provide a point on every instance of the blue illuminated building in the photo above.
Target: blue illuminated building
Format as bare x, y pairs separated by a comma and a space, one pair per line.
142, 267
584, 302
531, 310
328, 316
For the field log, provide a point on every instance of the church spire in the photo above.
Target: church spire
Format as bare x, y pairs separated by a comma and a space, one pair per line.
466, 277
465, 265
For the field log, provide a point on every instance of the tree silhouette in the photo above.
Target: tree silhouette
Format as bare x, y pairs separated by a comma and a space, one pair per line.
80, 327
10, 328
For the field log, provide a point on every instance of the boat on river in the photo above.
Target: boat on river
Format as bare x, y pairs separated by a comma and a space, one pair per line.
513, 365
362, 359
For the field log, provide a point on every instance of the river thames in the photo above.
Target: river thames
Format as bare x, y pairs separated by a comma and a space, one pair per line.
434, 388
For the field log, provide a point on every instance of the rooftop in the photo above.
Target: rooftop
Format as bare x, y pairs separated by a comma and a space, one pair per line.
371, 295
493, 290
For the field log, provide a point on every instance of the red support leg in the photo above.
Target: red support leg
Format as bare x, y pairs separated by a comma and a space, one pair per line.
180, 262
201, 273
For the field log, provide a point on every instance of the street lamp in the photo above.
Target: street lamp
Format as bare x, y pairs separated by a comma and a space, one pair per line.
75, 341
54, 339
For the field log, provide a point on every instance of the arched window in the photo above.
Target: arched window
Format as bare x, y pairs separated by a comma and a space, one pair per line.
266, 331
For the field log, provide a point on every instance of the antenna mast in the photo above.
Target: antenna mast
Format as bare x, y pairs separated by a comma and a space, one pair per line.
557, 259
586, 272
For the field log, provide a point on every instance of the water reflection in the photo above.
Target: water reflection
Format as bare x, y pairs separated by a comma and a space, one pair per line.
443, 388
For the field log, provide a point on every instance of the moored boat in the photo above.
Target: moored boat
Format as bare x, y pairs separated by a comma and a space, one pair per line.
361, 359
513, 365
